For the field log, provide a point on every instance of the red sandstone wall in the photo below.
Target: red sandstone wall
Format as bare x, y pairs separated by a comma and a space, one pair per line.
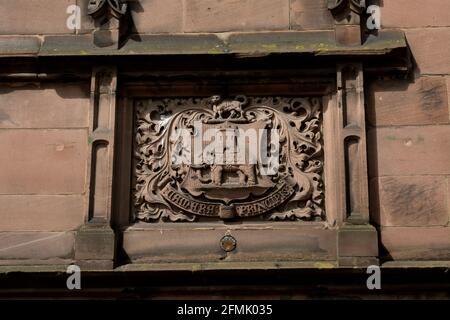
409, 151
173, 16
43, 128
44, 144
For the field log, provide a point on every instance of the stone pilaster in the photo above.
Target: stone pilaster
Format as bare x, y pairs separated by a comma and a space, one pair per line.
357, 239
95, 242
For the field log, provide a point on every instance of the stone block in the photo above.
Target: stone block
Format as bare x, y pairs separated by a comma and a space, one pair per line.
253, 243
49, 106
310, 15
416, 201
36, 245
415, 13
402, 151
34, 16
357, 241
416, 243
396, 102
151, 16
39, 161
430, 48
235, 15
41, 213
95, 242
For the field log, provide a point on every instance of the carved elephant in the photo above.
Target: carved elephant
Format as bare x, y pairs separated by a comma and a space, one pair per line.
246, 173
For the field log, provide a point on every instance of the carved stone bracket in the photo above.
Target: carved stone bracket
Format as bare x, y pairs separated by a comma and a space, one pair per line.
108, 16
347, 15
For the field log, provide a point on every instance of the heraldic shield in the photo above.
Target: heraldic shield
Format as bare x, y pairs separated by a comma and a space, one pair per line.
239, 158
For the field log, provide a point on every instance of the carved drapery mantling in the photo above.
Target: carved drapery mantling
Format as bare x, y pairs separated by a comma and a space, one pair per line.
170, 190
108, 17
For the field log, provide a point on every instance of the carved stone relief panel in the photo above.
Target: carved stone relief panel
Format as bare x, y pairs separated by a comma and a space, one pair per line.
219, 158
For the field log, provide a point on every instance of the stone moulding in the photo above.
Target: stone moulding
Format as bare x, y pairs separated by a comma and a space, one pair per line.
309, 42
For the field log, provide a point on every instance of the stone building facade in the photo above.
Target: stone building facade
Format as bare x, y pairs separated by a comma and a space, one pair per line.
82, 81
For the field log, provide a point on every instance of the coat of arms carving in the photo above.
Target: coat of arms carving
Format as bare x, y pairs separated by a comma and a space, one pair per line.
219, 158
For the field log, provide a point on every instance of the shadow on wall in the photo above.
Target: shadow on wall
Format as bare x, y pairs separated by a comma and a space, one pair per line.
69, 90
374, 87
365, 30
131, 32
65, 91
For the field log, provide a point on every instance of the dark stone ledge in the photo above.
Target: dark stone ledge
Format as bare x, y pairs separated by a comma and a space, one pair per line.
399, 282
19, 46
246, 44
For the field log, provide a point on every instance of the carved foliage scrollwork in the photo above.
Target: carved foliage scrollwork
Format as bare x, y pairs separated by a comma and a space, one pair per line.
167, 190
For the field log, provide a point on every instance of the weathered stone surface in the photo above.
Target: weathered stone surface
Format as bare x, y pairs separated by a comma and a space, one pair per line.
310, 14
151, 16
36, 245
87, 23
357, 241
19, 45
95, 242
396, 102
430, 48
448, 93
95, 265
358, 262
34, 16
409, 150
173, 244
54, 264
235, 15
41, 213
58, 106
349, 35
415, 13
41, 161
250, 43
410, 243
410, 201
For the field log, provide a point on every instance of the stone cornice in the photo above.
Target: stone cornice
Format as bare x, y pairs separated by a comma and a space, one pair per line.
300, 42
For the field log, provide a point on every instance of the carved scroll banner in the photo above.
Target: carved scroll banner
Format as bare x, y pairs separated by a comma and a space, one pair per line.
246, 209
232, 158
